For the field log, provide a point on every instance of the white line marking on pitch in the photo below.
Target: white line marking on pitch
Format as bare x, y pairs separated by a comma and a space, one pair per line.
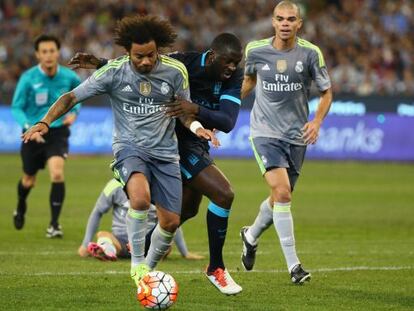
115, 272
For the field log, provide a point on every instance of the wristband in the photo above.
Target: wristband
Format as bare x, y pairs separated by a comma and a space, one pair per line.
41, 122
194, 126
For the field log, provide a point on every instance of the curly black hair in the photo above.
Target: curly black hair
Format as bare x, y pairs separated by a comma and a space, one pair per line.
143, 29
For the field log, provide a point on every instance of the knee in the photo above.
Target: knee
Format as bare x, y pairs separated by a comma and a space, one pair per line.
224, 197
139, 204
188, 214
57, 176
283, 194
28, 181
170, 225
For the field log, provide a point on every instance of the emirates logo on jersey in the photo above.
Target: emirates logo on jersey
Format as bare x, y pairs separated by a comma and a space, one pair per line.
281, 65
145, 88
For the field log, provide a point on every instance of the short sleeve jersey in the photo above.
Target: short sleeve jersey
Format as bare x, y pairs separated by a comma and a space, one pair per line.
36, 92
138, 101
283, 85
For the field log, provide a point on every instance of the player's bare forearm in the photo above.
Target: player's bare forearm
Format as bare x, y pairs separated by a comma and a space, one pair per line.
311, 129
60, 107
249, 83
324, 105
64, 103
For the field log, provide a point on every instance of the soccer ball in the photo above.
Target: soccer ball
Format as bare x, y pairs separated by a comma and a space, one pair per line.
157, 290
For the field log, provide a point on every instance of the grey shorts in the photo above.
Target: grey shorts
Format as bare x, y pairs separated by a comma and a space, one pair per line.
271, 153
163, 177
123, 240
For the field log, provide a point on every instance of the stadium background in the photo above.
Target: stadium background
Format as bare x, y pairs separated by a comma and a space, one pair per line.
354, 219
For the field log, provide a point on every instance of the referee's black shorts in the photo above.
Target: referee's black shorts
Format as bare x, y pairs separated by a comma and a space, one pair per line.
35, 155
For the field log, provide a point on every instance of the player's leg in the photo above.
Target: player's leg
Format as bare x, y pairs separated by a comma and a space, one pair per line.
191, 202
212, 183
167, 195
56, 151
25, 184
280, 164
56, 165
138, 191
250, 234
162, 236
132, 171
32, 161
278, 180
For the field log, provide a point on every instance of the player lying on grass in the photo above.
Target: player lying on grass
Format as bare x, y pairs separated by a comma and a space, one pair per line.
113, 245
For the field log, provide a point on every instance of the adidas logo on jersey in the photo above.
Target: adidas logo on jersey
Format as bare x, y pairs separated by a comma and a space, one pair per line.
127, 89
266, 67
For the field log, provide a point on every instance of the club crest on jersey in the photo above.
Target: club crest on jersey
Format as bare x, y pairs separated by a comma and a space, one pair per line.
145, 88
281, 65
165, 88
299, 66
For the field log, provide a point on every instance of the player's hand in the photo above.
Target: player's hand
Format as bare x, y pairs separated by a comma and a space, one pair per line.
32, 133
208, 135
38, 138
311, 132
182, 107
84, 60
83, 251
193, 256
69, 119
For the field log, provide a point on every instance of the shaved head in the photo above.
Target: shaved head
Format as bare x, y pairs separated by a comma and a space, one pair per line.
286, 4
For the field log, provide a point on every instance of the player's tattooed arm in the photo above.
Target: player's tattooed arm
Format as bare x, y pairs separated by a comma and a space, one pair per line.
249, 83
59, 108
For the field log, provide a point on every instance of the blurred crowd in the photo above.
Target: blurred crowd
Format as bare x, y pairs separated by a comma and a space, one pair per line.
368, 44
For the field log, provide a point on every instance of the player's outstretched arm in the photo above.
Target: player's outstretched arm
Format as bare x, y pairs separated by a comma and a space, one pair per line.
198, 129
311, 129
249, 83
86, 61
59, 108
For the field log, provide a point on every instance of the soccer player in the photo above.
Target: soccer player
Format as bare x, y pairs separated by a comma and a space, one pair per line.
140, 85
215, 83
38, 88
282, 69
111, 245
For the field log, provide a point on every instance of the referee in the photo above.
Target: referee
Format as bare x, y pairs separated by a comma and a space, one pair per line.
38, 88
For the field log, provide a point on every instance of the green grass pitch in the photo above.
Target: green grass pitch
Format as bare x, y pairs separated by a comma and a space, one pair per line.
354, 231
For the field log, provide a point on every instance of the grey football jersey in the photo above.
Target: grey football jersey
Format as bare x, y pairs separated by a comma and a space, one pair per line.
137, 102
283, 85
